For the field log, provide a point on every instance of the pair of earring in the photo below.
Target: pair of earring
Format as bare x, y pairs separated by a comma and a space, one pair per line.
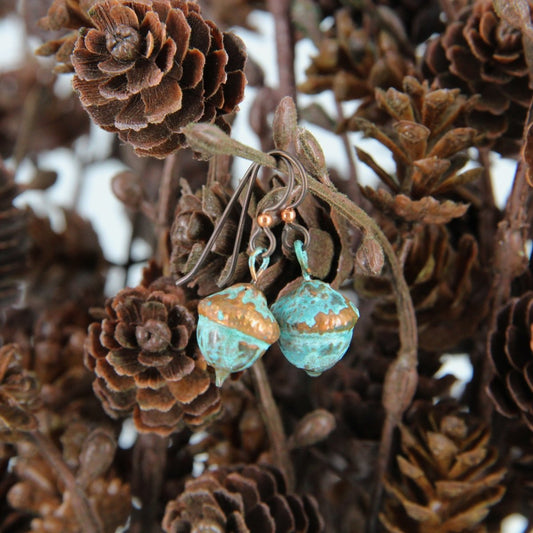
312, 322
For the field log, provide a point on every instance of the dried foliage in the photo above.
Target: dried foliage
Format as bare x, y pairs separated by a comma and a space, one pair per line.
110, 416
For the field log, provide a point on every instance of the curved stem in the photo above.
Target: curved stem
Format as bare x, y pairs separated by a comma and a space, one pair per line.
401, 378
273, 423
85, 515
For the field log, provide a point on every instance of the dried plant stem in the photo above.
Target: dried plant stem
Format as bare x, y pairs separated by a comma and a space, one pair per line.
273, 423
87, 520
149, 463
401, 378
349, 150
281, 11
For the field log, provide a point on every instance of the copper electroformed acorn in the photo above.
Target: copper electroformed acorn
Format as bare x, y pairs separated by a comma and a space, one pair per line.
316, 322
235, 328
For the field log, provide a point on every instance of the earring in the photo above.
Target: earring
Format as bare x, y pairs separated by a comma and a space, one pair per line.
316, 321
235, 326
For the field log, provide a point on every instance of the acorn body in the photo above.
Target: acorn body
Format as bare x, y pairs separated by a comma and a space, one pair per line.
316, 325
235, 328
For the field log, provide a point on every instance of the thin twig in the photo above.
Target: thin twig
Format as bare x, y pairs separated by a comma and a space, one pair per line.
149, 464
348, 148
281, 11
88, 521
273, 423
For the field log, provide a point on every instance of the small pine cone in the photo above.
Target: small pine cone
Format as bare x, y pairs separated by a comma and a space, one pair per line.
352, 63
146, 360
483, 55
510, 348
447, 284
448, 478
41, 491
242, 499
428, 145
146, 70
197, 214
19, 394
13, 240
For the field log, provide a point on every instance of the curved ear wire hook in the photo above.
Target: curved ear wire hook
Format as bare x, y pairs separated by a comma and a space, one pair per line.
247, 179
292, 164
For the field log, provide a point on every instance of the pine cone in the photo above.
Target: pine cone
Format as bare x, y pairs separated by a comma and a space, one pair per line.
351, 65
19, 395
13, 240
242, 499
448, 479
41, 491
146, 360
428, 149
480, 53
447, 285
146, 70
511, 352
197, 214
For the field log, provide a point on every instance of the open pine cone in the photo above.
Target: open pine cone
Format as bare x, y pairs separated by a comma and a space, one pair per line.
428, 145
448, 478
481, 54
243, 500
146, 360
511, 350
447, 285
147, 69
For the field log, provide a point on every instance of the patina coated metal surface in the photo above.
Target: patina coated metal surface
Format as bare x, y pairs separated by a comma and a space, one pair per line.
244, 308
235, 328
316, 325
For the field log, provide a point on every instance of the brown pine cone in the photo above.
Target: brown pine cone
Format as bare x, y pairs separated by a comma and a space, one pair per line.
428, 146
146, 70
19, 395
243, 499
146, 360
352, 63
481, 54
198, 213
447, 285
448, 478
13, 240
41, 491
510, 349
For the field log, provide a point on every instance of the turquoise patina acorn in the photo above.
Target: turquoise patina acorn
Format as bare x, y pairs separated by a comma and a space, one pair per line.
316, 322
235, 328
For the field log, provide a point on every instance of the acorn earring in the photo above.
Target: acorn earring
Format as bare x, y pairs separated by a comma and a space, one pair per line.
316, 321
235, 326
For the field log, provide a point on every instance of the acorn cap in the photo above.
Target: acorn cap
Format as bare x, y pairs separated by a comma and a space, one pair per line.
242, 307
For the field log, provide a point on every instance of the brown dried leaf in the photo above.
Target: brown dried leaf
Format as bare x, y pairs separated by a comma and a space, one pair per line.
311, 155
369, 258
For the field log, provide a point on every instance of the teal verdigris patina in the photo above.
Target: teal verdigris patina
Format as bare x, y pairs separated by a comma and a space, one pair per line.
316, 322
235, 328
